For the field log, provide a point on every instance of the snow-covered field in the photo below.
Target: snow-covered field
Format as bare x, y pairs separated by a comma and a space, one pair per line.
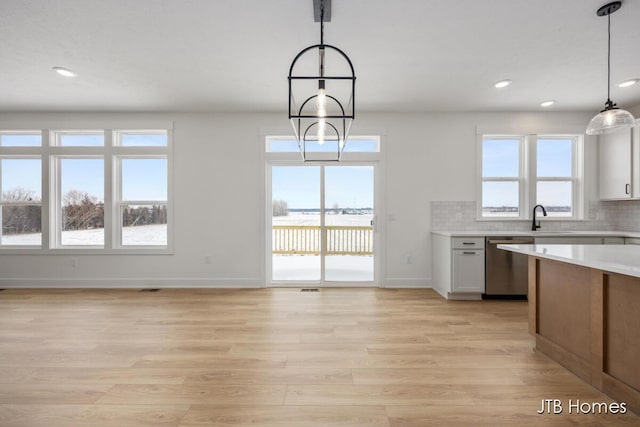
314, 219
153, 235
156, 234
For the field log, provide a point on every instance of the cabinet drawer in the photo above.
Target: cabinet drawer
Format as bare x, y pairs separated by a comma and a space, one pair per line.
568, 240
613, 240
467, 242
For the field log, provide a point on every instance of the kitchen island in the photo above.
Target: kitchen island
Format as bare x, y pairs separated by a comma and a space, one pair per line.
584, 311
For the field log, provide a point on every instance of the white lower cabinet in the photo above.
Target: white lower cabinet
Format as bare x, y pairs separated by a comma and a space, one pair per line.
468, 271
458, 263
458, 266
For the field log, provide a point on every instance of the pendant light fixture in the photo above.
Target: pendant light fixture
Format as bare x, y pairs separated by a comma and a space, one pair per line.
611, 118
322, 79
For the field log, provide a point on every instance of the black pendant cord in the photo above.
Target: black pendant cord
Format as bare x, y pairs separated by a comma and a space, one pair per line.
609, 60
322, 22
321, 51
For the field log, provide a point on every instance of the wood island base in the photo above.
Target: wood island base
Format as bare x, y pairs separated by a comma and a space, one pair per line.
588, 320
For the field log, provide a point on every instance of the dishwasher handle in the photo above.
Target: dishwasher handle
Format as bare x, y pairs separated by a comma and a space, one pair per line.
510, 242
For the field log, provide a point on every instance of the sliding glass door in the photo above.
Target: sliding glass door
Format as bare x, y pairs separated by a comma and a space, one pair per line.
322, 224
296, 223
348, 223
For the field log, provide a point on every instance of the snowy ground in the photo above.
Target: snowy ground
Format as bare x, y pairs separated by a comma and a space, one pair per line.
154, 235
314, 219
340, 268
347, 268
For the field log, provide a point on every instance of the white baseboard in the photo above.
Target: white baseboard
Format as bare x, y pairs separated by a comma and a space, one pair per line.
136, 283
154, 282
407, 283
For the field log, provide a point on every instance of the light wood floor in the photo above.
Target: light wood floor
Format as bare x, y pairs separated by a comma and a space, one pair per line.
275, 357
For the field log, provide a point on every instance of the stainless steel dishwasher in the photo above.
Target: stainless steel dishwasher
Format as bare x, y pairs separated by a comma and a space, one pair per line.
505, 272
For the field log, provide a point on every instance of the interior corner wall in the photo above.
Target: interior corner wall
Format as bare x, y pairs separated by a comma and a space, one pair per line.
219, 206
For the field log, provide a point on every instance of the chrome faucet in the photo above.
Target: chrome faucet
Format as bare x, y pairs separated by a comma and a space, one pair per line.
535, 226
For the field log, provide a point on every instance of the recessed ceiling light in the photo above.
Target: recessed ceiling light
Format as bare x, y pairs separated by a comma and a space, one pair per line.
502, 83
548, 103
64, 72
628, 83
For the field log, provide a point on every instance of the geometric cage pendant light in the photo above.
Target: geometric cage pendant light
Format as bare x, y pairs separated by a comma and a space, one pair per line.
611, 118
321, 96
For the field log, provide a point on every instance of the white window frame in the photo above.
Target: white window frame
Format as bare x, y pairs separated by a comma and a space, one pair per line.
528, 178
56, 138
575, 178
520, 179
119, 202
21, 203
50, 151
363, 158
55, 212
294, 156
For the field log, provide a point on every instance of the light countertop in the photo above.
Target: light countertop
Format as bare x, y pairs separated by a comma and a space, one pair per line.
622, 259
541, 233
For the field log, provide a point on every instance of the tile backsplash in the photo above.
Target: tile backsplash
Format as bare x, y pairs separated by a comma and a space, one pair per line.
461, 216
623, 215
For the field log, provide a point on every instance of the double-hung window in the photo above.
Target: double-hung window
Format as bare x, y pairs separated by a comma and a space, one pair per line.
556, 177
502, 176
141, 201
521, 171
96, 189
20, 189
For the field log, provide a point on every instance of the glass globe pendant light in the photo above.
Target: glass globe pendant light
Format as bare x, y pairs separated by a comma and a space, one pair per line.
612, 117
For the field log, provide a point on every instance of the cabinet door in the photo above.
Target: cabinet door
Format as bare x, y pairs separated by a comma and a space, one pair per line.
468, 271
615, 164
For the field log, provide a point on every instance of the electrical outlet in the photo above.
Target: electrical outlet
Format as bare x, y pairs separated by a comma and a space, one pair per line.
207, 259
409, 259
74, 262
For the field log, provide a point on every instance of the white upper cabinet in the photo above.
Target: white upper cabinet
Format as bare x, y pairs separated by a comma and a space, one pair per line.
615, 163
635, 162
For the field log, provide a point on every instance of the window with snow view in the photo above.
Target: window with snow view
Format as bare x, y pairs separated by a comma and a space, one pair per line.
143, 201
521, 171
91, 189
81, 201
21, 201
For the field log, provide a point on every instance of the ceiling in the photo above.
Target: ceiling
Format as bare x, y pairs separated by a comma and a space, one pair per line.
234, 55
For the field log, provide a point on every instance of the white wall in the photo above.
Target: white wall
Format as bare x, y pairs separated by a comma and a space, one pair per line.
218, 164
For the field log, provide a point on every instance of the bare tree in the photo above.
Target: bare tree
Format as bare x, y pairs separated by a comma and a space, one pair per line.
19, 194
21, 217
81, 211
280, 208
